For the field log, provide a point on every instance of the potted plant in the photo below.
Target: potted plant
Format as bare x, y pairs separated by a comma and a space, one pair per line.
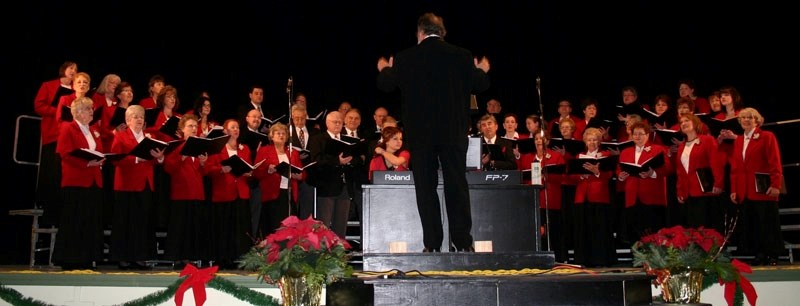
682, 258
300, 256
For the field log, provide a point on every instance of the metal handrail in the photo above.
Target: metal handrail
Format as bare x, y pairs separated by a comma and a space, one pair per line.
16, 142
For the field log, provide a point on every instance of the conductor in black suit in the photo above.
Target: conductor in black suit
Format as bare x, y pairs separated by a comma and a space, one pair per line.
438, 77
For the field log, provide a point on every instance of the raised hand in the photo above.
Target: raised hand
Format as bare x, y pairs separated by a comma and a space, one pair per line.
483, 64
384, 63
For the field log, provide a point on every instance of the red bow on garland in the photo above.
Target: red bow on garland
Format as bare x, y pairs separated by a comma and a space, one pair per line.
747, 287
197, 281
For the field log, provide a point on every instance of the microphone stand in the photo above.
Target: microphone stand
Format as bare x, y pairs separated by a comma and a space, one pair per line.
289, 85
542, 127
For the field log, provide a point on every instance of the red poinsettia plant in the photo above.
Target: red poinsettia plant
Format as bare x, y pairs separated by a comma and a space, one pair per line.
300, 248
678, 249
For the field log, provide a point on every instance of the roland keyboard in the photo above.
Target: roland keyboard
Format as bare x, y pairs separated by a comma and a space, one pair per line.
499, 177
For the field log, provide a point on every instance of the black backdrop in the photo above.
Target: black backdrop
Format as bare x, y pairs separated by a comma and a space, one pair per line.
330, 49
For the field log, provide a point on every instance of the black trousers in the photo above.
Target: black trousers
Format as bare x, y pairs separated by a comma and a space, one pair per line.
425, 160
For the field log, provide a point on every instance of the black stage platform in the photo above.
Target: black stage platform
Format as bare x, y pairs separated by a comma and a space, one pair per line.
413, 289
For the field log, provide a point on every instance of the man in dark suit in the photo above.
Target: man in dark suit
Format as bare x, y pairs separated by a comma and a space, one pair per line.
438, 77
506, 160
256, 95
301, 135
328, 176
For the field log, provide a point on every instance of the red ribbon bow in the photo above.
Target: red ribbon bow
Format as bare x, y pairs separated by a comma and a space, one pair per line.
197, 281
747, 287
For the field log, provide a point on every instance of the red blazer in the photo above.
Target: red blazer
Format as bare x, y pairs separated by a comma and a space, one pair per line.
106, 131
62, 102
131, 175
650, 191
43, 107
593, 189
271, 183
762, 155
148, 102
580, 126
74, 172
225, 187
552, 126
704, 154
701, 106
377, 163
154, 130
552, 181
186, 176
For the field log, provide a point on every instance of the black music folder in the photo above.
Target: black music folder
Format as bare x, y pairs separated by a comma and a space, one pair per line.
93, 155
347, 146
270, 122
283, 168
630, 109
571, 146
196, 146
319, 117
607, 163
216, 131
66, 114
150, 116
654, 162
546, 169
252, 138
667, 135
666, 119
599, 123
142, 150
170, 127
763, 181
618, 146
118, 117
527, 145
239, 166
716, 125
706, 178
305, 155
494, 150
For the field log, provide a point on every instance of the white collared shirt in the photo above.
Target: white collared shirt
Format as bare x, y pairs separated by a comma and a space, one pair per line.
747, 137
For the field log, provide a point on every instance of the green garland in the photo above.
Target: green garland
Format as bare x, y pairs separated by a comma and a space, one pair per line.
248, 295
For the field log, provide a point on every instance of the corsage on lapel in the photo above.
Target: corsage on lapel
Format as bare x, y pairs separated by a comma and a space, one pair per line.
755, 136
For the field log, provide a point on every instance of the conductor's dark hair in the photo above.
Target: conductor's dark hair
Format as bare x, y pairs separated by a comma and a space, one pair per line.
429, 23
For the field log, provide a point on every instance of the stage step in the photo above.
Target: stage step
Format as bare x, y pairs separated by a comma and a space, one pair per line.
449, 261
582, 289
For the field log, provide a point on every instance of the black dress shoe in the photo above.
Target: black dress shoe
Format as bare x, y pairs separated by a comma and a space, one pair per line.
124, 265
772, 261
468, 249
431, 250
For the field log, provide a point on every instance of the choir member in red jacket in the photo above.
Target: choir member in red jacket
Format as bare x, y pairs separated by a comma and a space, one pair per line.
154, 87
276, 186
390, 153
645, 192
188, 214
230, 193
699, 152
756, 161
80, 233
550, 200
133, 233
594, 242
48, 189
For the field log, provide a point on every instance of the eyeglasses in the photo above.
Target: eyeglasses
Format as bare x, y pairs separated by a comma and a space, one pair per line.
747, 117
639, 134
